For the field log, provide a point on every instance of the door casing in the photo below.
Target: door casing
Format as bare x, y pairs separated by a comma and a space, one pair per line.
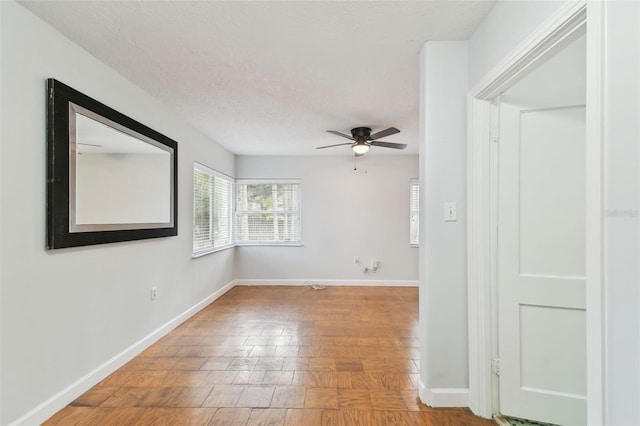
553, 35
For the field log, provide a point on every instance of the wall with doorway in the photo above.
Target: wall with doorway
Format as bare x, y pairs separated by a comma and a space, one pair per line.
448, 70
507, 25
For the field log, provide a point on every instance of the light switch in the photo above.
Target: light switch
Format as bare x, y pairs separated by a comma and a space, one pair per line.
450, 211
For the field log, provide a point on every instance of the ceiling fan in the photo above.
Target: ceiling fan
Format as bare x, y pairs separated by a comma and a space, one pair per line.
363, 139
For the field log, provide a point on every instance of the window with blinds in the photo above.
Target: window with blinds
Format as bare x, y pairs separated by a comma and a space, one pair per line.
414, 212
212, 210
268, 212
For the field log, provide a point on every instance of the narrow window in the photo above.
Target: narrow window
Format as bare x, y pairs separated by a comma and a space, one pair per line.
414, 212
212, 210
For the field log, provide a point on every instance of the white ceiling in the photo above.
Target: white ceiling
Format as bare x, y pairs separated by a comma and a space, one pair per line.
270, 77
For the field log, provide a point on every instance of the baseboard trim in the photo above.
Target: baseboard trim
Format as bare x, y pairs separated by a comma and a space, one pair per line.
443, 397
57, 402
501, 420
344, 283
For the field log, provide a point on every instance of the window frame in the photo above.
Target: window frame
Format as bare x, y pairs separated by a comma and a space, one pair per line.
230, 211
266, 181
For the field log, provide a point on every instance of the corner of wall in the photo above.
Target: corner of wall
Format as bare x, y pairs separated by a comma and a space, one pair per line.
48, 408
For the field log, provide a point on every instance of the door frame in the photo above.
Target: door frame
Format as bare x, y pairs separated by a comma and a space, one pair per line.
482, 201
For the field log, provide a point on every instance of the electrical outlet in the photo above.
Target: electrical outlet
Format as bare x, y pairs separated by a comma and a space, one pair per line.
154, 293
356, 259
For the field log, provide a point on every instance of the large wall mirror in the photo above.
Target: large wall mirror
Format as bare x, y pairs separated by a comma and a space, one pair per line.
110, 178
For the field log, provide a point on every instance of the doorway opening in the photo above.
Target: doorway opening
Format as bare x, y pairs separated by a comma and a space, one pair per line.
540, 326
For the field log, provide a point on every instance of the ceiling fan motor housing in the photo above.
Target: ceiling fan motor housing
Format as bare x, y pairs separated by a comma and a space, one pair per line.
361, 133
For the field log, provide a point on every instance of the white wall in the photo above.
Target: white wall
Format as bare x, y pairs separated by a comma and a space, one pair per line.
507, 25
622, 218
66, 312
443, 283
345, 213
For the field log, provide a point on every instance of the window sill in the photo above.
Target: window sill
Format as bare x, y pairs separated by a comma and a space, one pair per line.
271, 244
204, 252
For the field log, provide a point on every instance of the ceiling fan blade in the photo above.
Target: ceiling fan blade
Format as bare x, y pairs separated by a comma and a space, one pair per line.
358, 155
340, 134
381, 134
389, 145
329, 146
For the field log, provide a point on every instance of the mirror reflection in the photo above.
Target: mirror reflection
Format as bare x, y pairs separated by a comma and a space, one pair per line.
120, 177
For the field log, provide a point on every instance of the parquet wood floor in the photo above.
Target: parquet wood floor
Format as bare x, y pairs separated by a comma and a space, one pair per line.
277, 356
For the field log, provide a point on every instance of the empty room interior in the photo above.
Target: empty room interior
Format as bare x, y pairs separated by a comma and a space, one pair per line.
320, 212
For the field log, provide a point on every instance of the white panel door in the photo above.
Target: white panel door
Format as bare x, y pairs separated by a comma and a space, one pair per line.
541, 263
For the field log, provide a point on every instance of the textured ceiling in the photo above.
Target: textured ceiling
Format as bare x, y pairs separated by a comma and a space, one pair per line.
269, 78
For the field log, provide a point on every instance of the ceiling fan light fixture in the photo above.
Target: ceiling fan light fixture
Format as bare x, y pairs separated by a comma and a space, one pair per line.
360, 148
362, 139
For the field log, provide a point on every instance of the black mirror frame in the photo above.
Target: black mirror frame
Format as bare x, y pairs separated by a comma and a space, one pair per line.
59, 96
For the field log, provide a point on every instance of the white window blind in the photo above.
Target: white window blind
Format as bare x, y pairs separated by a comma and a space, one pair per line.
268, 212
212, 210
414, 212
